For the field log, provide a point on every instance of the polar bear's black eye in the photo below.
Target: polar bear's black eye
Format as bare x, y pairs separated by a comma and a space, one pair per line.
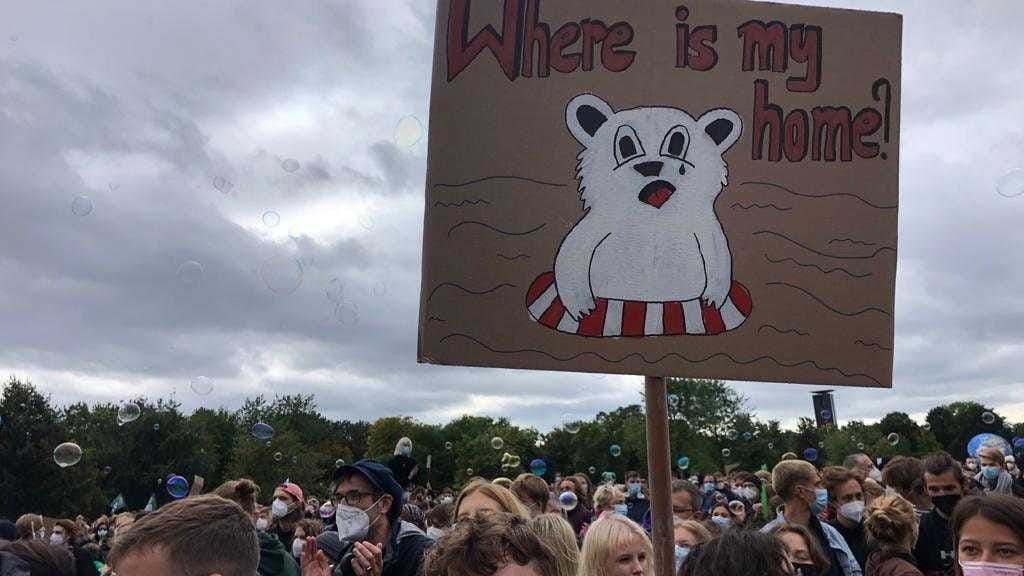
627, 148
627, 145
676, 143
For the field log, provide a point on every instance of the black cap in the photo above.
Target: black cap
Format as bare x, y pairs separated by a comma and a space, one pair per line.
381, 477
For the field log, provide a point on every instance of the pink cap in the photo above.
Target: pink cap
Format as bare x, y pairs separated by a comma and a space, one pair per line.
294, 490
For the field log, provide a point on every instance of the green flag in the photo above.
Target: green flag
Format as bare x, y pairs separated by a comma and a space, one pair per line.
765, 512
151, 506
117, 504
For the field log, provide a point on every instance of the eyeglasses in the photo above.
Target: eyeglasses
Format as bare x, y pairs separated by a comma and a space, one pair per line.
350, 498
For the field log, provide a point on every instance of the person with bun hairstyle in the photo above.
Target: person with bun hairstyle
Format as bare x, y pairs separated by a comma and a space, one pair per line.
274, 557
989, 535
891, 523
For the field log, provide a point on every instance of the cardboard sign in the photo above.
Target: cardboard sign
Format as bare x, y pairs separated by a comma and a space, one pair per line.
703, 189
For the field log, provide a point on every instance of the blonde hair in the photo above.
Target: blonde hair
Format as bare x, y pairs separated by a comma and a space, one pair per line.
606, 497
696, 528
889, 520
993, 454
789, 473
605, 537
506, 500
556, 532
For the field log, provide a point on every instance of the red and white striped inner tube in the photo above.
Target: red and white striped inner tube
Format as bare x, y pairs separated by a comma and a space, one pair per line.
612, 318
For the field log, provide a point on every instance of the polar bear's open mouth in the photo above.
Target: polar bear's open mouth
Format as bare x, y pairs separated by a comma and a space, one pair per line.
656, 193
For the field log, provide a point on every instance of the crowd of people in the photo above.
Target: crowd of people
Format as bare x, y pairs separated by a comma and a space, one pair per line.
909, 517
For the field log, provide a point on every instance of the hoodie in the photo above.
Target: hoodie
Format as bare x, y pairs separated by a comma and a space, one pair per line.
274, 559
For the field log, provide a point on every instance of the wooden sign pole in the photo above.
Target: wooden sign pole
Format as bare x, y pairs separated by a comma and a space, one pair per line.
659, 475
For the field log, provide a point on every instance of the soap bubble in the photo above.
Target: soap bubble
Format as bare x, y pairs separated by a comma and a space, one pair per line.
1011, 184
497, 443
608, 477
567, 500
278, 456
67, 454
295, 459
408, 131
262, 431
107, 470
1018, 443
271, 218
893, 439
190, 272
128, 412
366, 220
156, 427
673, 400
811, 454
771, 446
789, 456
347, 313
268, 444
860, 445
282, 274
514, 462
335, 289
538, 466
731, 434
821, 443
988, 418
223, 185
926, 426
290, 165
615, 450
447, 445
469, 471
177, 486
737, 507
683, 463
748, 436
726, 452
339, 463
81, 206
592, 470
201, 385
571, 423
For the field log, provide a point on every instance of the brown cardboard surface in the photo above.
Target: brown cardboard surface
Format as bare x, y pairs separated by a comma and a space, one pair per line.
811, 240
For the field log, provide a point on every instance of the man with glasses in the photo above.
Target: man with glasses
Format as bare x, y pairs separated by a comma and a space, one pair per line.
686, 500
368, 503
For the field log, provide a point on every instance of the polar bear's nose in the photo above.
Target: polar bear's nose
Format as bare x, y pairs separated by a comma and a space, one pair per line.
649, 168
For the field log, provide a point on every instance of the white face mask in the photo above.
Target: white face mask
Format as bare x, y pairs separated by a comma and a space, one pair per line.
434, 532
279, 509
875, 474
991, 569
852, 510
261, 524
354, 523
749, 493
447, 500
297, 547
56, 539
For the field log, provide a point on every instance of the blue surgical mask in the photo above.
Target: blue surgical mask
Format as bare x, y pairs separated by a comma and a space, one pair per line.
990, 472
722, 522
709, 487
621, 509
681, 553
634, 489
820, 501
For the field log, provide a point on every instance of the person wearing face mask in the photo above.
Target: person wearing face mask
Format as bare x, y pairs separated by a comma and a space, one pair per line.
403, 466
905, 475
989, 536
799, 485
893, 528
846, 508
802, 550
439, 520
637, 503
375, 542
861, 463
305, 529
688, 534
65, 535
946, 484
275, 559
609, 500
993, 478
686, 500
286, 509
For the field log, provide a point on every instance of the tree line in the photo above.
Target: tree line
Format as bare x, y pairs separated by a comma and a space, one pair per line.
710, 425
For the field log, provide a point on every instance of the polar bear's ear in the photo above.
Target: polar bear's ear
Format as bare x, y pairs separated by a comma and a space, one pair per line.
584, 115
723, 126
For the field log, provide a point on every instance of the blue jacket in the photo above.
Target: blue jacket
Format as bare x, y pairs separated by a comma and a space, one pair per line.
847, 563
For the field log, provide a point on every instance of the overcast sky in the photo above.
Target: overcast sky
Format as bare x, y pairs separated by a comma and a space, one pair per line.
144, 145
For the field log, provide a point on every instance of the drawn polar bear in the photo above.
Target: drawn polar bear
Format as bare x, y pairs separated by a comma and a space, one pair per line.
649, 256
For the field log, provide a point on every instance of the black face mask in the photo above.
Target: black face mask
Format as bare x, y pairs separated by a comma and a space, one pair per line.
805, 570
946, 503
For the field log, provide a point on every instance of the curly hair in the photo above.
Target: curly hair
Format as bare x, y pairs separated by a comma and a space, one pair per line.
485, 543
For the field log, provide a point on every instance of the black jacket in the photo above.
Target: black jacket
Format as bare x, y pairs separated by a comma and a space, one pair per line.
934, 548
